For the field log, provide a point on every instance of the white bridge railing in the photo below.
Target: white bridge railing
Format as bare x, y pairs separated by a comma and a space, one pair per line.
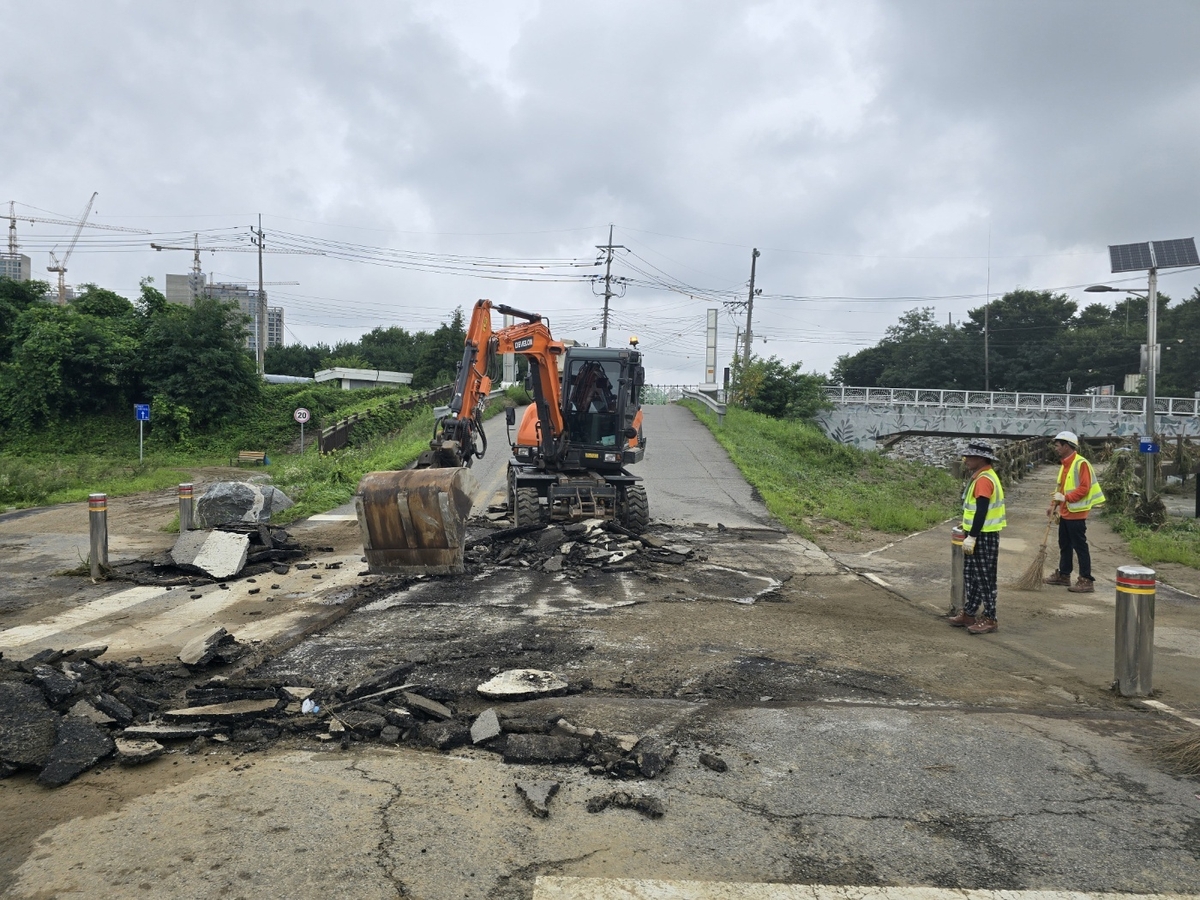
1173, 406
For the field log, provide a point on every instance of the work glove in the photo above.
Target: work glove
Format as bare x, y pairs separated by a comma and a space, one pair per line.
1059, 497
969, 545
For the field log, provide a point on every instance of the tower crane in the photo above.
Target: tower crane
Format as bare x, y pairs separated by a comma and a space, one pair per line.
61, 268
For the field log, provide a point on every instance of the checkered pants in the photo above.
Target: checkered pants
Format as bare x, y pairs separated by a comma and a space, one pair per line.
979, 575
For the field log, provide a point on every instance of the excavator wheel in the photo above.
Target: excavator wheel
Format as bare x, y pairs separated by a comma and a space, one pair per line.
637, 509
527, 510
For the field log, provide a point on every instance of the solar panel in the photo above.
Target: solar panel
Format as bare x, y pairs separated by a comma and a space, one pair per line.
1130, 257
1179, 252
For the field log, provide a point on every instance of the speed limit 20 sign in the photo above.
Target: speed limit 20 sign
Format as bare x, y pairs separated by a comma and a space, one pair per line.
301, 415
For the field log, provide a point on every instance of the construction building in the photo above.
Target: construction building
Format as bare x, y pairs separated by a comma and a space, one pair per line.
185, 289
16, 266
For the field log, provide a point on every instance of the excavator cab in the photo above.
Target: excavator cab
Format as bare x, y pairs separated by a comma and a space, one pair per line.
601, 409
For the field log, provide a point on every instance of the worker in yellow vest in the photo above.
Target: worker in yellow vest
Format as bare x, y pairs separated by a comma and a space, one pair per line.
1076, 493
983, 519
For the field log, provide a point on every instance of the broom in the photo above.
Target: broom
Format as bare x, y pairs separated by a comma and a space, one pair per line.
1032, 579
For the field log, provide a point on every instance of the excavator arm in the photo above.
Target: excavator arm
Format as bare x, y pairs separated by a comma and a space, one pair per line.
459, 437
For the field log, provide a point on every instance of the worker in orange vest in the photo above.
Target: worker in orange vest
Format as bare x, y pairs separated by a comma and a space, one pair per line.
1077, 492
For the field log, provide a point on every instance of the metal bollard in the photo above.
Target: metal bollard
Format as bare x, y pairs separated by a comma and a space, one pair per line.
1133, 668
956, 570
185, 507
98, 532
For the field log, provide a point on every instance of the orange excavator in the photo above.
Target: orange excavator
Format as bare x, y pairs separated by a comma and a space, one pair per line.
568, 461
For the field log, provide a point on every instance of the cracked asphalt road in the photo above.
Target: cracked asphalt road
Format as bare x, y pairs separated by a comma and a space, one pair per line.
866, 742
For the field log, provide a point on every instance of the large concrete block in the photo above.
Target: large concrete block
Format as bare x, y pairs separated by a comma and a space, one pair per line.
237, 501
220, 554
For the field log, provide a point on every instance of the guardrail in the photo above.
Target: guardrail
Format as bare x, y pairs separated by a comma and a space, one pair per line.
338, 434
708, 399
1174, 406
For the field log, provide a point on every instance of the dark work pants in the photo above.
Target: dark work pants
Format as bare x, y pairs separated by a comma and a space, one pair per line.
1072, 535
979, 575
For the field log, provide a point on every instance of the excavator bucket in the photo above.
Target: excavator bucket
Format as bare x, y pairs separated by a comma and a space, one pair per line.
413, 522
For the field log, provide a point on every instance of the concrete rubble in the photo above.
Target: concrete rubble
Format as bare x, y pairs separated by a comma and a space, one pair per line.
219, 554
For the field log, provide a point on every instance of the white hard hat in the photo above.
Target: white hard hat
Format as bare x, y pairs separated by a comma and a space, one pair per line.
1068, 437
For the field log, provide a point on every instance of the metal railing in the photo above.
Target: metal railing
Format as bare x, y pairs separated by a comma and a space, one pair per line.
1173, 406
713, 400
337, 436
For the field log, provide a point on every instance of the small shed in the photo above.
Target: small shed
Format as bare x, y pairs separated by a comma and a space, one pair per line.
352, 379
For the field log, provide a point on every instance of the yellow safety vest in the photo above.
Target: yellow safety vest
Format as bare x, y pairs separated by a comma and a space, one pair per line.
995, 511
1094, 497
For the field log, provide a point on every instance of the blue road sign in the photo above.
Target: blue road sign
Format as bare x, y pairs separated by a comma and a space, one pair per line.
1147, 445
143, 411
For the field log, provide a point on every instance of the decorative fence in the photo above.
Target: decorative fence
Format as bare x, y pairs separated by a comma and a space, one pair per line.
868, 416
1083, 403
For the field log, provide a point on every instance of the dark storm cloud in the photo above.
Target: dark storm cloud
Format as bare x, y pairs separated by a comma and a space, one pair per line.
871, 149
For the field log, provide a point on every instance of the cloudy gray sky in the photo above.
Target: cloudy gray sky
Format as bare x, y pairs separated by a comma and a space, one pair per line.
881, 155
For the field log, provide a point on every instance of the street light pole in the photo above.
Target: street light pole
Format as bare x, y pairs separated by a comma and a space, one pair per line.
1151, 360
1151, 373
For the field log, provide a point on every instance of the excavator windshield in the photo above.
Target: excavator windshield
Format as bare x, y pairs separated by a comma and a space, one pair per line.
592, 402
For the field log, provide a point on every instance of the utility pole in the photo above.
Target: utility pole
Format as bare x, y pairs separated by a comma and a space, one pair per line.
608, 248
262, 302
749, 336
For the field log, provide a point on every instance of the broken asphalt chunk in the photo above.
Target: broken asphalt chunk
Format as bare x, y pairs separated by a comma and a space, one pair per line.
521, 684
184, 731
485, 727
651, 807
382, 681
427, 706
30, 727
714, 762
521, 749
80, 745
537, 795
233, 711
202, 650
54, 684
444, 735
653, 756
134, 753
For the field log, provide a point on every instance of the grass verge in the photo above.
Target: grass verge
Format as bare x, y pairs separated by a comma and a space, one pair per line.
804, 477
1178, 541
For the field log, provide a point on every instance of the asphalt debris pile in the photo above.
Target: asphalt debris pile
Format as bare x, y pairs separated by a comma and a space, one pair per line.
234, 550
62, 712
575, 548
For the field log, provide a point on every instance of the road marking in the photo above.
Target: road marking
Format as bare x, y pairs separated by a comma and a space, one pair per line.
83, 615
1162, 707
331, 517
558, 888
871, 576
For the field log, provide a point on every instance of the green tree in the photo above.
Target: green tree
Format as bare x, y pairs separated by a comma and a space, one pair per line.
69, 359
1179, 335
440, 353
297, 359
770, 387
15, 298
195, 358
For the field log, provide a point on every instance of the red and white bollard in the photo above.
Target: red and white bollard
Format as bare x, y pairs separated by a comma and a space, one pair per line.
1133, 667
